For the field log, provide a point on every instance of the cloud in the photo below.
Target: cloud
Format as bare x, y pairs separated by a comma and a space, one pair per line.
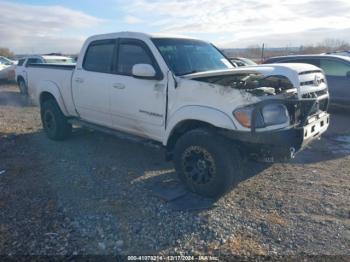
309, 37
27, 28
241, 21
129, 19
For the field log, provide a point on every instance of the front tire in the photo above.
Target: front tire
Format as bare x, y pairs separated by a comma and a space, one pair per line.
54, 122
206, 162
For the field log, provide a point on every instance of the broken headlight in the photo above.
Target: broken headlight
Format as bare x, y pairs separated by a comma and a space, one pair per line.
268, 115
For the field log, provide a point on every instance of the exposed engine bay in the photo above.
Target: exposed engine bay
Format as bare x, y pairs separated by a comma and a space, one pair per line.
254, 83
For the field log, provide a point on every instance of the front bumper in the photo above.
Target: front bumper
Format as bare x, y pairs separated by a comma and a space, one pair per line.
280, 145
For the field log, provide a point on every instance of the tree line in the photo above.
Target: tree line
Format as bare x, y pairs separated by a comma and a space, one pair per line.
256, 52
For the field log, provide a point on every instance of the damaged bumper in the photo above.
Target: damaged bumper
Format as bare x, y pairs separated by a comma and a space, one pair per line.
281, 144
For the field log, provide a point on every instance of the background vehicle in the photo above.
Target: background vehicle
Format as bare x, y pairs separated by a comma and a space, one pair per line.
341, 53
7, 68
241, 61
21, 68
184, 94
336, 69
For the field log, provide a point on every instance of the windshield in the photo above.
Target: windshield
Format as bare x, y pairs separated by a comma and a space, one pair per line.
67, 60
186, 56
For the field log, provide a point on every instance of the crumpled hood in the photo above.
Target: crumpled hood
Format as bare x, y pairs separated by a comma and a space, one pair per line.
305, 77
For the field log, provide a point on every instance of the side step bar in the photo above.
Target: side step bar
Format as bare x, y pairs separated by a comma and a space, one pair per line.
117, 133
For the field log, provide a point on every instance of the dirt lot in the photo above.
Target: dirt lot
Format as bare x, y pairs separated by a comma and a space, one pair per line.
90, 195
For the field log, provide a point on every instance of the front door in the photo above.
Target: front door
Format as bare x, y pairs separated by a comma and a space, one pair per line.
137, 105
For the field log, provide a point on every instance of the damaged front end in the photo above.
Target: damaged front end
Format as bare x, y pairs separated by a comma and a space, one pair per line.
291, 111
308, 119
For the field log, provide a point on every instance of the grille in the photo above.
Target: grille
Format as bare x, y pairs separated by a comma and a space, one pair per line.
310, 72
315, 94
311, 82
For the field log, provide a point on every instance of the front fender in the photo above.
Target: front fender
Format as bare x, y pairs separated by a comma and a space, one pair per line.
205, 114
53, 89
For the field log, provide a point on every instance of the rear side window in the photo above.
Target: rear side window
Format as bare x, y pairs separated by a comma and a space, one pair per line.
33, 61
99, 56
131, 54
20, 62
335, 68
315, 62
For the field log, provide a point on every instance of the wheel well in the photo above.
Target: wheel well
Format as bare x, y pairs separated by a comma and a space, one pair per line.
181, 128
44, 96
20, 78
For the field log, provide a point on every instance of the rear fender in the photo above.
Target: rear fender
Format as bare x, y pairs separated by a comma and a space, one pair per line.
53, 89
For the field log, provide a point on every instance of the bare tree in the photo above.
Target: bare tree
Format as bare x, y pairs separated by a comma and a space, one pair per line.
328, 45
4, 51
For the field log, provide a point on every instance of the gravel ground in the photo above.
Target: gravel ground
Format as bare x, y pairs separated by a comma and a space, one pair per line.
89, 195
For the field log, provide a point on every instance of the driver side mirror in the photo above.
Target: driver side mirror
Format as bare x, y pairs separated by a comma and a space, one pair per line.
145, 71
348, 74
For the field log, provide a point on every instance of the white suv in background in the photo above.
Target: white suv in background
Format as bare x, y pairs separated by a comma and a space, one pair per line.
21, 68
7, 68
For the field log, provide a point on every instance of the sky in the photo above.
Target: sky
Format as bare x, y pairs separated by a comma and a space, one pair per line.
43, 26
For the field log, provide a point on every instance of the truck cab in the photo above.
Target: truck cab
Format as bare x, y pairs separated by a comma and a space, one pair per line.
184, 94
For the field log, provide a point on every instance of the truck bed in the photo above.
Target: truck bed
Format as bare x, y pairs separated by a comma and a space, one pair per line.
58, 76
54, 66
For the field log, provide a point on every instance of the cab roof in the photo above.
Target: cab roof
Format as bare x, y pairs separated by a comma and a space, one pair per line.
138, 35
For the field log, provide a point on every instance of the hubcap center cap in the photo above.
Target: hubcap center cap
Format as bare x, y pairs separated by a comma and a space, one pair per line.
201, 165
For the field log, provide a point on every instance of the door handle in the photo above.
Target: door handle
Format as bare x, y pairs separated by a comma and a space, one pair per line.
79, 80
118, 86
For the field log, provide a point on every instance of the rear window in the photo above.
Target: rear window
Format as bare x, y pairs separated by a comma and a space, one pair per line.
99, 55
60, 61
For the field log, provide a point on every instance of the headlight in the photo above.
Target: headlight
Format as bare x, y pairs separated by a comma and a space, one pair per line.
275, 114
244, 117
269, 115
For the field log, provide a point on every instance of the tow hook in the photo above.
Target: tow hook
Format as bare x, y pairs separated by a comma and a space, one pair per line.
292, 152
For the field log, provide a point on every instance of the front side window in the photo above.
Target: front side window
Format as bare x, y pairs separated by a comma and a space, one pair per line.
186, 56
335, 68
131, 54
99, 56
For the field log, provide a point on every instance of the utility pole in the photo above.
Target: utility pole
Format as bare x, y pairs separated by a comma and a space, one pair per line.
262, 52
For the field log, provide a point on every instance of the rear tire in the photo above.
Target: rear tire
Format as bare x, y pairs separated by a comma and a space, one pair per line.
54, 122
207, 163
22, 87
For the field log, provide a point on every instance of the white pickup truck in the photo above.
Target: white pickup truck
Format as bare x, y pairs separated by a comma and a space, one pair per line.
184, 93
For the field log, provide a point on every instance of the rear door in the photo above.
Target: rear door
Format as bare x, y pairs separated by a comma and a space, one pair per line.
19, 67
137, 105
32, 60
92, 83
